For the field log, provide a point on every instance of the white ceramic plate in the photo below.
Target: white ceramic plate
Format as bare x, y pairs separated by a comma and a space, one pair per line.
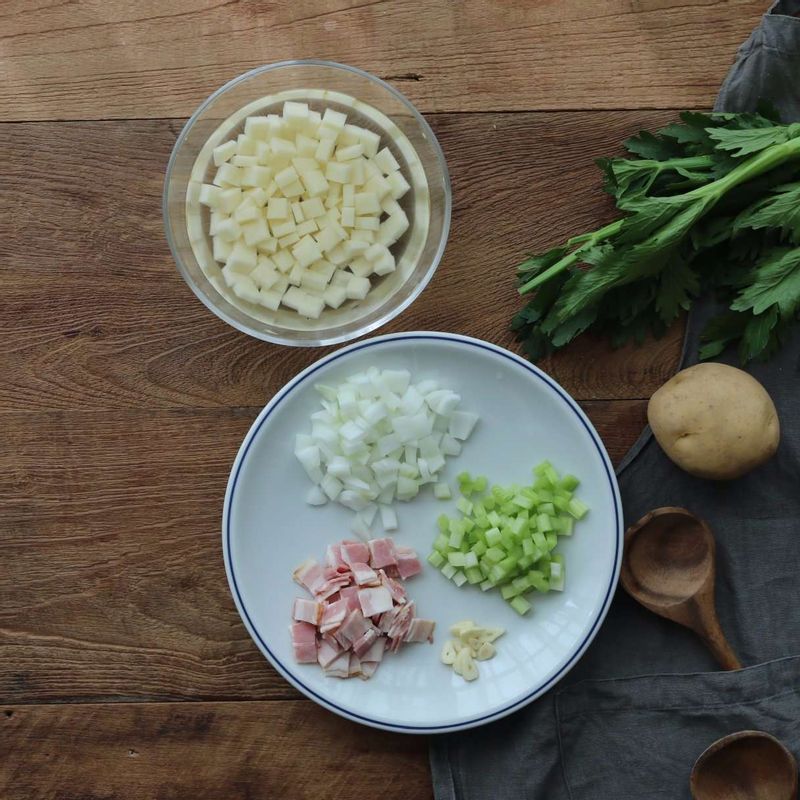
268, 529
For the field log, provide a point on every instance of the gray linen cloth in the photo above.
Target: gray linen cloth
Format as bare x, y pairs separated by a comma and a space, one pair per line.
647, 697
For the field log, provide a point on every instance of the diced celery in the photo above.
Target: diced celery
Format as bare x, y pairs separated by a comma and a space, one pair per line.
494, 518
577, 508
468, 524
543, 522
507, 564
479, 484
493, 537
528, 547
479, 548
495, 555
496, 573
521, 583
522, 501
525, 562
520, 605
547, 508
456, 558
463, 477
552, 540
441, 491
470, 559
459, 579
569, 482
464, 506
508, 591
436, 559
486, 585
488, 503
540, 468
538, 581
448, 570
441, 543
539, 540
473, 574
561, 502
443, 521
551, 475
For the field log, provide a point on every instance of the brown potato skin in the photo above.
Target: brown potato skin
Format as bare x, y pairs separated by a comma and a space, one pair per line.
714, 421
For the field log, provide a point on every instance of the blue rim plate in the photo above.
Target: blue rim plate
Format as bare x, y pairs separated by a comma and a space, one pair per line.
267, 529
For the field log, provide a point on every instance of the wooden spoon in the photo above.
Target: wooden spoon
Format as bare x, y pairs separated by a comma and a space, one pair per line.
669, 567
749, 765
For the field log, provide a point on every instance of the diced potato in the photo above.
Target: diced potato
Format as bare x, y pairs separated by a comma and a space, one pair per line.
244, 161
276, 124
338, 256
399, 185
282, 147
257, 194
361, 267
374, 252
367, 223
297, 212
307, 251
289, 240
270, 298
378, 185
306, 146
341, 278
324, 151
247, 210
349, 135
315, 182
334, 195
303, 165
255, 231
230, 277
312, 123
284, 228
358, 174
367, 203
244, 288
312, 208
286, 176
350, 152
337, 172
221, 249
295, 114
392, 228
370, 141
210, 196
215, 218
390, 206
284, 260
386, 162
357, 288
278, 208
228, 230
256, 177
304, 303
242, 258
257, 128
267, 246
304, 228
362, 236
335, 120
272, 189
349, 195
293, 189
334, 296
265, 274
296, 275
328, 238
263, 154
245, 145
385, 264
348, 218
228, 175
221, 153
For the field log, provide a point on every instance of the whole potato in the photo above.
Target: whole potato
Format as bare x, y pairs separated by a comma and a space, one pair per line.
714, 421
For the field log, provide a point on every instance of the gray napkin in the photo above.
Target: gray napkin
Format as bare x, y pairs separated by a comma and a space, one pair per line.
647, 698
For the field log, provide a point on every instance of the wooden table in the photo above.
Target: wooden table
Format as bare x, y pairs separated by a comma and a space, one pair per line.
124, 669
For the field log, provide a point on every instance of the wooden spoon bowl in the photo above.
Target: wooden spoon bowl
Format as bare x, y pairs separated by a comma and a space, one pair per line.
748, 765
669, 567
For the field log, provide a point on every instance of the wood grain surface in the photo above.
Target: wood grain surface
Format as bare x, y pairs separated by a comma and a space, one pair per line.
125, 672
203, 751
102, 59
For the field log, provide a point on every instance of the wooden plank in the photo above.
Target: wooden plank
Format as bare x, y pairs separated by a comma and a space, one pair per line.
203, 751
113, 584
101, 319
115, 59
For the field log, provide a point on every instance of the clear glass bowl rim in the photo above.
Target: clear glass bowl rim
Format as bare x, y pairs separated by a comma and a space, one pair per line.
314, 338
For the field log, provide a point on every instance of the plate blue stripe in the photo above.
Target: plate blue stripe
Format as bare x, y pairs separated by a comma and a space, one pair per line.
226, 533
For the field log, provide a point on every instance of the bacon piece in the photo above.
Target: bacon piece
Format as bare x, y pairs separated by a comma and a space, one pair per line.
420, 630
408, 564
381, 553
354, 626
304, 642
309, 575
333, 556
374, 600
350, 593
364, 574
339, 667
366, 641
331, 582
354, 552
368, 669
387, 619
375, 652
306, 611
327, 652
333, 616
396, 589
400, 626
355, 666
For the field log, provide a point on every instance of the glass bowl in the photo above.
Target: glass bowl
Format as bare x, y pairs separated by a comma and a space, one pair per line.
368, 102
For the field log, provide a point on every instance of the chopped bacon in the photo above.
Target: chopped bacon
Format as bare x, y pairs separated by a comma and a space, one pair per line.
354, 552
306, 611
381, 553
420, 630
374, 600
304, 642
364, 574
360, 607
333, 616
408, 564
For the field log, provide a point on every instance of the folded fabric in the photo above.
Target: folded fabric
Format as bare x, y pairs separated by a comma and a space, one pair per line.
617, 726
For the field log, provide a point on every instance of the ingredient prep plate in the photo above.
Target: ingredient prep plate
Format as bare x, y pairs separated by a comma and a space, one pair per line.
525, 417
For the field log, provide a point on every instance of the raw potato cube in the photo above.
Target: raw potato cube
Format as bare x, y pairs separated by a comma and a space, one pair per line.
324, 151
256, 176
263, 153
391, 207
370, 170
399, 185
296, 275
210, 196
286, 176
270, 298
392, 229
228, 229
306, 146
378, 185
385, 264
304, 228
304, 303
230, 277
271, 189
349, 195
244, 161
361, 267
323, 268
267, 246
370, 141
282, 147
278, 208
367, 203
245, 146
335, 120
247, 210
284, 260
386, 162
362, 236
328, 238
242, 258
334, 195
281, 229
276, 124
215, 218
288, 240
246, 289
228, 175
338, 256
334, 296
374, 252
265, 274
349, 217
367, 224
349, 135
307, 251
257, 128
339, 173
358, 174
223, 152
350, 152
314, 182
293, 189
257, 194
295, 113
312, 208
303, 165
357, 246
255, 231
357, 288
222, 249
340, 278
297, 212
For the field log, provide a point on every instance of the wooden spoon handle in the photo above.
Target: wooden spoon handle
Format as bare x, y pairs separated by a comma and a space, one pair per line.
708, 627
